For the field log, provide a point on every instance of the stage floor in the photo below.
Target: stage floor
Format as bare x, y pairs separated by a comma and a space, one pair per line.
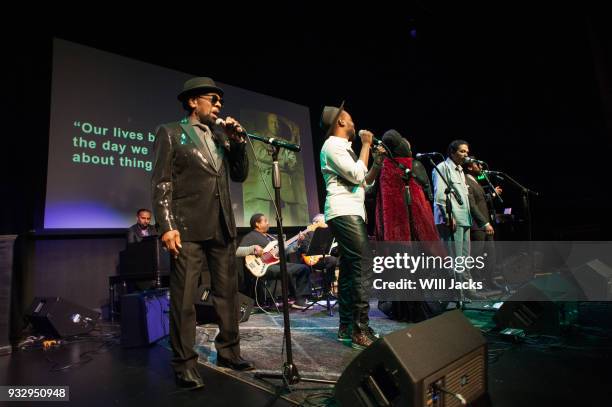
573, 369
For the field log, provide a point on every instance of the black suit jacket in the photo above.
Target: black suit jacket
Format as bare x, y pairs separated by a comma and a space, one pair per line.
479, 207
189, 194
134, 234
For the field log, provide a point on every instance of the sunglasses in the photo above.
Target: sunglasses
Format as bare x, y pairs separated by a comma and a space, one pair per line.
213, 99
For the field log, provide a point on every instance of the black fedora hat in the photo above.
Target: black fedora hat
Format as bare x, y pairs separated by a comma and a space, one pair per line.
197, 86
329, 117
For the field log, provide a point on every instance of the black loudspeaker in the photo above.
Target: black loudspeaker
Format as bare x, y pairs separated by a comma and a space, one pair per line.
533, 317
595, 279
411, 366
535, 307
145, 317
56, 317
205, 311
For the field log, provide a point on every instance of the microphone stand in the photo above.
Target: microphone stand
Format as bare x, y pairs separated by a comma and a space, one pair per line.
289, 374
449, 219
526, 192
484, 173
526, 205
406, 174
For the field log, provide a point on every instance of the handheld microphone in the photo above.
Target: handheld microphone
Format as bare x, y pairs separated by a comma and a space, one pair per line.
493, 172
375, 141
221, 122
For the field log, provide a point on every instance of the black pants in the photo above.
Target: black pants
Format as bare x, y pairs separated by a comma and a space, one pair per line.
355, 277
216, 257
483, 243
328, 264
299, 278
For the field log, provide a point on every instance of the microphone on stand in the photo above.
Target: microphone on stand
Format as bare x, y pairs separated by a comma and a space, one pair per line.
425, 155
468, 160
268, 140
376, 141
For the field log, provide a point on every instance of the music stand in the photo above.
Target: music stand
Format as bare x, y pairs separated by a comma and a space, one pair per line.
320, 245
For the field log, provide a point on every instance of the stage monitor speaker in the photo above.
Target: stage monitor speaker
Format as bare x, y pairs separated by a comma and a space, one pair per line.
205, 311
535, 308
59, 318
410, 367
595, 279
533, 317
144, 317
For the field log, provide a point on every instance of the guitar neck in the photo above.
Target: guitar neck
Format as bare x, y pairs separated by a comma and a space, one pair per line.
309, 228
294, 238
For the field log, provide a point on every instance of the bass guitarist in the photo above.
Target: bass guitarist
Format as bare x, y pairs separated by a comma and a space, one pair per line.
299, 274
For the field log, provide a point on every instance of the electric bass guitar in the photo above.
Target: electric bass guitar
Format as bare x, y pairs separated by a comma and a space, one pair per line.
258, 266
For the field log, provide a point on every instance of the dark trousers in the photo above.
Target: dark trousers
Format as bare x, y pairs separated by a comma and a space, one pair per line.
299, 278
355, 276
216, 257
328, 264
482, 243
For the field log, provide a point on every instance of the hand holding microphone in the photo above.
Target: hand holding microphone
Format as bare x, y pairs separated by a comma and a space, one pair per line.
232, 128
372, 140
366, 136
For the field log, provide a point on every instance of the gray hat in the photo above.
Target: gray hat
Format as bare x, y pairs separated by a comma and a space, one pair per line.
198, 86
329, 117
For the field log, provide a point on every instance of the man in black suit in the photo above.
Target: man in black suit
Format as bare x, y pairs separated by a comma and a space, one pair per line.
481, 202
483, 214
194, 161
142, 228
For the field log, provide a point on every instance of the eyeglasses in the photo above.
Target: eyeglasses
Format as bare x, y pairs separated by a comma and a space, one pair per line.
213, 99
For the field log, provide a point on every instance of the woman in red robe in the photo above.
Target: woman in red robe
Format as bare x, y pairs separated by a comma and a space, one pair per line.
405, 214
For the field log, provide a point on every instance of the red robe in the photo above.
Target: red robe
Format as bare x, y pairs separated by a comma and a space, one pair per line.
396, 222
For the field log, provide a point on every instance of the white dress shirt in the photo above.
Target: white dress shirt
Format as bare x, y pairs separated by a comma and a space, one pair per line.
344, 176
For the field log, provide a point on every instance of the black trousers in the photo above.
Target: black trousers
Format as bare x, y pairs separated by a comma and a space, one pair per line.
299, 278
328, 264
483, 243
215, 256
355, 277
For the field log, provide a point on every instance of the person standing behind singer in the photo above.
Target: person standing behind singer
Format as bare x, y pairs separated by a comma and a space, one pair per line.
194, 161
483, 211
345, 177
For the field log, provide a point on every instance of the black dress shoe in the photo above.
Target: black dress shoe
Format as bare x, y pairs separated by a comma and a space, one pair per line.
189, 379
236, 364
